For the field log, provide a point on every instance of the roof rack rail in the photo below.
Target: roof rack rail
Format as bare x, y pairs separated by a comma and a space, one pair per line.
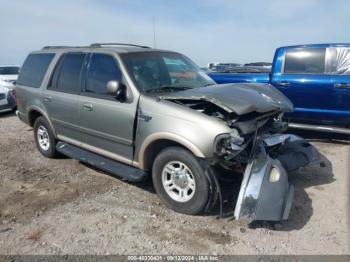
120, 44
59, 46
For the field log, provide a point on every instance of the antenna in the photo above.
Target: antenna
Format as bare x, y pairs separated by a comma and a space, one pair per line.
154, 32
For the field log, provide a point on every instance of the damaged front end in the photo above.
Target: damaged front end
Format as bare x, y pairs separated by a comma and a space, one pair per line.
267, 157
265, 192
256, 145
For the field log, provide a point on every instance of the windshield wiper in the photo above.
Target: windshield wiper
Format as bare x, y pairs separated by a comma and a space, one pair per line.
166, 88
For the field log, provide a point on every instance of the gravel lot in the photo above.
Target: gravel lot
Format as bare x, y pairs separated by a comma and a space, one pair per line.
64, 207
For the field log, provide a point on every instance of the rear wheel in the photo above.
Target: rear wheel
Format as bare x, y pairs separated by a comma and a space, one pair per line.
44, 138
179, 180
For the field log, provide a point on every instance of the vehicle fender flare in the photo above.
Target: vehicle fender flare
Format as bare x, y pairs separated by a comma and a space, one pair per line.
166, 136
44, 114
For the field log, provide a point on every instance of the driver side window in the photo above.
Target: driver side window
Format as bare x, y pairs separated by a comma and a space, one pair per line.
102, 68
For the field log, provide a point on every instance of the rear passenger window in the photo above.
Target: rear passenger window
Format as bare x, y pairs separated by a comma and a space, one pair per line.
341, 61
34, 69
305, 61
102, 68
67, 75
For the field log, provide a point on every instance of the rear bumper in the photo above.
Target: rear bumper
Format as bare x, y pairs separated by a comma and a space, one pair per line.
6, 107
265, 192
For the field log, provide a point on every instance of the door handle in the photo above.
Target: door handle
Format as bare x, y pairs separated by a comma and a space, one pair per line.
342, 85
283, 83
47, 98
88, 107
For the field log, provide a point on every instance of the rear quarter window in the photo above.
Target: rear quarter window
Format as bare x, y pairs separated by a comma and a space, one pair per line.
341, 61
34, 69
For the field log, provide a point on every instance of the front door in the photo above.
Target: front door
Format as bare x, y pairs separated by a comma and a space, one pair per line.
107, 125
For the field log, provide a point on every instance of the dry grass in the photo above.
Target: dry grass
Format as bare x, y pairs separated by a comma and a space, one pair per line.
37, 234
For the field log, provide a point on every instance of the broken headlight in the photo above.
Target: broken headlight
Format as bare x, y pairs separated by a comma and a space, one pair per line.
275, 174
278, 124
227, 143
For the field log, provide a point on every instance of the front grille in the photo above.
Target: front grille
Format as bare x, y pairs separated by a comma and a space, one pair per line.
2, 96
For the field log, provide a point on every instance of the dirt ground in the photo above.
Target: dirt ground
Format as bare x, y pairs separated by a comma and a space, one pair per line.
64, 207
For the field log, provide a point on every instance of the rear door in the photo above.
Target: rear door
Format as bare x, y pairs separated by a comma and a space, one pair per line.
305, 79
62, 96
107, 125
340, 67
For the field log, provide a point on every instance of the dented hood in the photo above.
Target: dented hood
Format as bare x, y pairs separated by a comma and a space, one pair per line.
237, 98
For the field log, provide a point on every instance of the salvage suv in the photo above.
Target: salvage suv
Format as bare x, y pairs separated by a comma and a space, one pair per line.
135, 111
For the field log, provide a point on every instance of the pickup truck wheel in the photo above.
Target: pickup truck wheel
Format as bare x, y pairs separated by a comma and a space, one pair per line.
44, 138
179, 180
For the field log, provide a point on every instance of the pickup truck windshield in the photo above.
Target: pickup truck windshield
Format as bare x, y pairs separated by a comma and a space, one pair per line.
164, 72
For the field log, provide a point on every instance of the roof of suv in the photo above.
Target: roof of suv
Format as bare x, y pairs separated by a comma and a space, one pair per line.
117, 47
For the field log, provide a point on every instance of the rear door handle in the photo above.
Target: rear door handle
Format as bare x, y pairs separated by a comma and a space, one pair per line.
283, 83
342, 85
47, 98
88, 107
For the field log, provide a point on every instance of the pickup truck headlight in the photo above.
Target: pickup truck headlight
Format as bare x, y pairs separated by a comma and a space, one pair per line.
226, 143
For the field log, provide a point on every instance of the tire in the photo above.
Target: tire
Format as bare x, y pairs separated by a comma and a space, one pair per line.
192, 201
42, 131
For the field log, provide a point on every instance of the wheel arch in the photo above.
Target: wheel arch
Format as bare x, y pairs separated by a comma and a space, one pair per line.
155, 143
34, 112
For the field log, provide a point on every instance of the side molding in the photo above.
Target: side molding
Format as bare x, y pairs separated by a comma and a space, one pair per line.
95, 150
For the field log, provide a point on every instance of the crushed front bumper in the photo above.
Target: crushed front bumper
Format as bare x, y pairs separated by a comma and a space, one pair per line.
265, 192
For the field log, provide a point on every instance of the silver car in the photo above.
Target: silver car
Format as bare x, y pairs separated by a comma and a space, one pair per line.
140, 113
8, 75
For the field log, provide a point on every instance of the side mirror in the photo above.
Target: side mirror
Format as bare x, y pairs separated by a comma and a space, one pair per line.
117, 90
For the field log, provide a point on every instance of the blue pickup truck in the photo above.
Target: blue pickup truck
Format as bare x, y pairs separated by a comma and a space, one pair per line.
316, 78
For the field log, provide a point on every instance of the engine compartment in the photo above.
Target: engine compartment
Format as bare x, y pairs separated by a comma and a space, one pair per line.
245, 124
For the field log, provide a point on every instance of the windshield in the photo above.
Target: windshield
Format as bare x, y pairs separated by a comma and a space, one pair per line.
9, 70
164, 71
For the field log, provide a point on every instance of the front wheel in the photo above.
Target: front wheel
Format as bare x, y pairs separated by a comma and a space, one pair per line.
180, 182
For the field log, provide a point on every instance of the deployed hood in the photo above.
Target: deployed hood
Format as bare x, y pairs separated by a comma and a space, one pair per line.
237, 98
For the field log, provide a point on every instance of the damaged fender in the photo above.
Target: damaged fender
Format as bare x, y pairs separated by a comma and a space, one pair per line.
265, 192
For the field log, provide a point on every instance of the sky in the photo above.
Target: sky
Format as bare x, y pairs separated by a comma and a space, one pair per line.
206, 31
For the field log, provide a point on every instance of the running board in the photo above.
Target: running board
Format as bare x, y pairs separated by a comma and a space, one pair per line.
330, 129
113, 167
